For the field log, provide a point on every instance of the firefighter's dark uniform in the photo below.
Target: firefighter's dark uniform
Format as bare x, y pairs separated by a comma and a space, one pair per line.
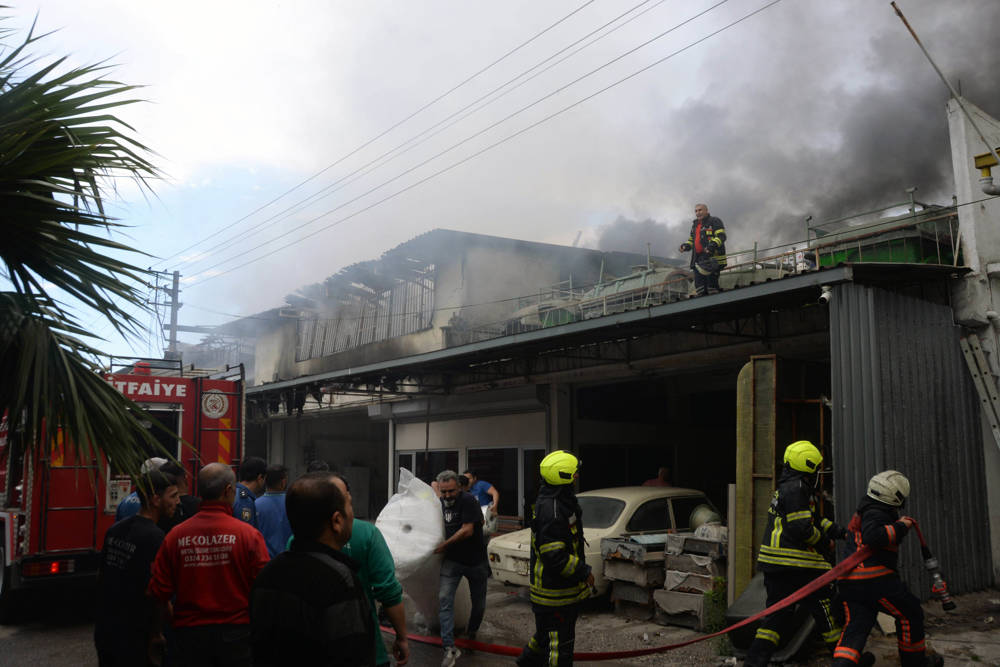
790, 558
245, 505
559, 574
707, 242
875, 585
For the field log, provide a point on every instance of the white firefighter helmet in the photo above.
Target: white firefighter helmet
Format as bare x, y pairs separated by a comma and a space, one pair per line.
890, 487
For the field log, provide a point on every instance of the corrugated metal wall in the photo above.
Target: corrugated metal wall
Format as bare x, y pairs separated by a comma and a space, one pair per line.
903, 399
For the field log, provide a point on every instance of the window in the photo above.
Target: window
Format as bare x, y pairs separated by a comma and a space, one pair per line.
363, 314
652, 515
599, 511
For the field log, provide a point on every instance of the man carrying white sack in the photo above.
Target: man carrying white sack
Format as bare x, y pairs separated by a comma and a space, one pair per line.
464, 556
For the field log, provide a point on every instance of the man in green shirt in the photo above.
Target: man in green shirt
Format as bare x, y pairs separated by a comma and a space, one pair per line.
378, 576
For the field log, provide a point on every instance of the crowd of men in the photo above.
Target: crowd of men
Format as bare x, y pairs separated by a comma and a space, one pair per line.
261, 572
248, 574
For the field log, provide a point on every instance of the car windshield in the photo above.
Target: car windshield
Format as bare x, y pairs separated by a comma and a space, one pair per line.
600, 511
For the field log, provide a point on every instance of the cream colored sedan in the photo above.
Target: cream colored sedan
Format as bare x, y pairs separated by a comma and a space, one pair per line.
623, 510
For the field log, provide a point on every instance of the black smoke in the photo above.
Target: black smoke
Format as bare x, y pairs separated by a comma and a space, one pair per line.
627, 235
826, 132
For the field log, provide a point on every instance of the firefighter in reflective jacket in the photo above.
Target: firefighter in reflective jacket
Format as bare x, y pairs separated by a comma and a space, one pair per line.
560, 576
874, 585
707, 244
790, 556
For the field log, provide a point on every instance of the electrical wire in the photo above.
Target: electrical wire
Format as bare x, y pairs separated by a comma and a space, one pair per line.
476, 154
479, 133
430, 132
389, 129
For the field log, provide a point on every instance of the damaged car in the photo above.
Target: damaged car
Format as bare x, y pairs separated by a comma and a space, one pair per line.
613, 512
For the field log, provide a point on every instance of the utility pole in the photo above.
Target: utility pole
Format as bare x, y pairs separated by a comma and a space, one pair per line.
175, 305
174, 291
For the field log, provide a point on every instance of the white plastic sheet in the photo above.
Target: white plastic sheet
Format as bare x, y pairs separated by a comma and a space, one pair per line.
413, 526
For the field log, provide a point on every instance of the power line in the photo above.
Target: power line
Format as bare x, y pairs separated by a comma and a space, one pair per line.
488, 147
390, 129
433, 130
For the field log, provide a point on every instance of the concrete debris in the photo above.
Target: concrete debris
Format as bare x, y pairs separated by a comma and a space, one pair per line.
887, 624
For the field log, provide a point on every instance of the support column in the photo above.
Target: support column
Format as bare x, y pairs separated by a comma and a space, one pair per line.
560, 426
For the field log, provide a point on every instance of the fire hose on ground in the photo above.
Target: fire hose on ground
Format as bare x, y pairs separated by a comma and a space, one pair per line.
939, 590
825, 579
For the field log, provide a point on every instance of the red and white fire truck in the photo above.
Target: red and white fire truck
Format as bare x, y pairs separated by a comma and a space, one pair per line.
54, 510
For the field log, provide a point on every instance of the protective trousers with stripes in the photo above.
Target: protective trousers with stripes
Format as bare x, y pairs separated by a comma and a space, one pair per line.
862, 601
780, 584
554, 639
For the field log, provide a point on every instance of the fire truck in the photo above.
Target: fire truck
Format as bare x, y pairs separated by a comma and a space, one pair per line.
54, 509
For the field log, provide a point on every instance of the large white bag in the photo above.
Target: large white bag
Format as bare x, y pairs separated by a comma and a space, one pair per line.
413, 526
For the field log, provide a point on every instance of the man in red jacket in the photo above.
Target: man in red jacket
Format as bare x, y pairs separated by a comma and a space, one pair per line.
207, 564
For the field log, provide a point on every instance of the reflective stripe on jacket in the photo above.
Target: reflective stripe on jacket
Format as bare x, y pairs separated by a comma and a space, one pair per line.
559, 567
793, 529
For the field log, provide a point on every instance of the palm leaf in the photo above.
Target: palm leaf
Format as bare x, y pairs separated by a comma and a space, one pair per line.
60, 145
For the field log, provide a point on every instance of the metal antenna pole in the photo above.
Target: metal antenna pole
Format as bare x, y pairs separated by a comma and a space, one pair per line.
958, 98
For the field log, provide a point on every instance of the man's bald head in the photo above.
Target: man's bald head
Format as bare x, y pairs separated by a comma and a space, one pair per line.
213, 480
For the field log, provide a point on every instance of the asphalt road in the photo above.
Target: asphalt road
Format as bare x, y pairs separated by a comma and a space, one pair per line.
57, 631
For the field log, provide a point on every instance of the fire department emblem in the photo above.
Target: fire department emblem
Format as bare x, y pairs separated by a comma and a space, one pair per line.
214, 404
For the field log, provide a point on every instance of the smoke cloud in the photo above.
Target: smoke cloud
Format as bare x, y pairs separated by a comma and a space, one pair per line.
825, 132
628, 235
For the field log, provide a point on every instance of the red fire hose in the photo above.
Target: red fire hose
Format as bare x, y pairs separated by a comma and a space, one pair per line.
821, 581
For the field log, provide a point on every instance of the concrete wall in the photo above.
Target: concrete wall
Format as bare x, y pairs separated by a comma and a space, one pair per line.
272, 351
491, 276
976, 296
495, 431
350, 443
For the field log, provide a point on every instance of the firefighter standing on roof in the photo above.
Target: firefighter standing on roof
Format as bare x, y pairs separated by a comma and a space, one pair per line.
560, 576
789, 556
874, 585
707, 244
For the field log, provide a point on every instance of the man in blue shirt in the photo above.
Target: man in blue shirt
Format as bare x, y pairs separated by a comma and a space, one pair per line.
271, 518
250, 486
485, 493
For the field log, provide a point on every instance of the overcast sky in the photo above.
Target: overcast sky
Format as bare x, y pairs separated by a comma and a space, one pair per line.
808, 107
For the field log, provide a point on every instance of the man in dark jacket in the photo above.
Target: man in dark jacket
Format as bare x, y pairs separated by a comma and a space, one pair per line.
792, 552
874, 585
560, 576
125, 617
707, 244
308, 607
